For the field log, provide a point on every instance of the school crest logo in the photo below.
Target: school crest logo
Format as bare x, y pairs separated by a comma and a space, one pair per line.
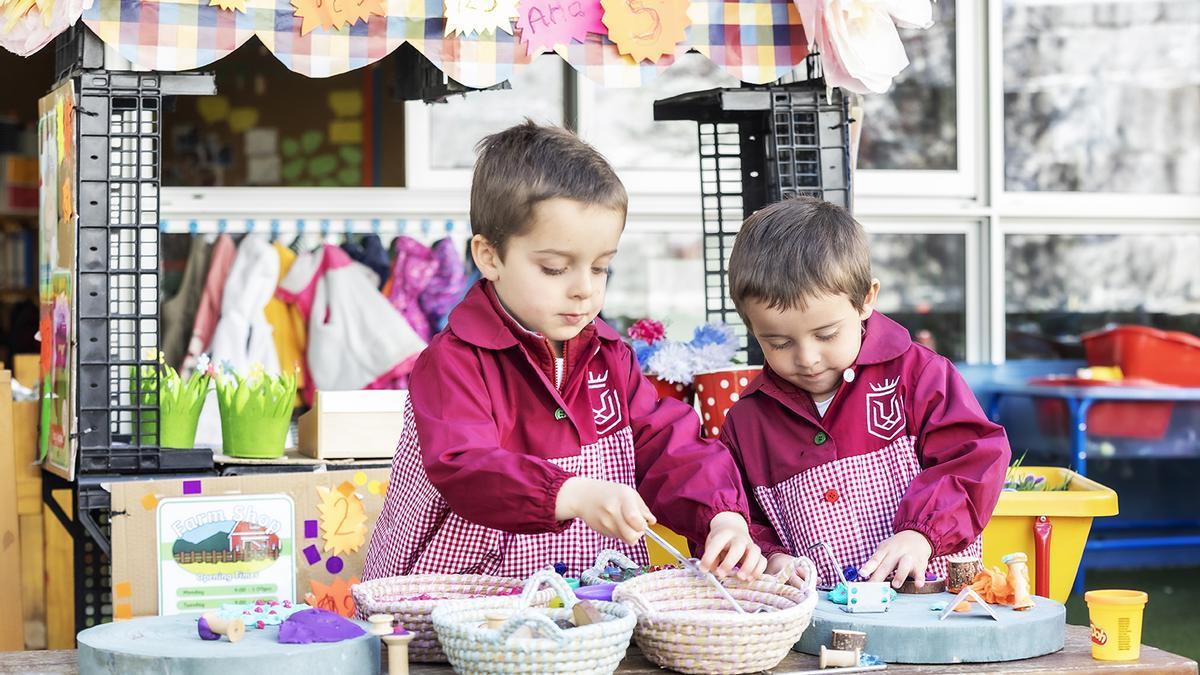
885, 410
606, 405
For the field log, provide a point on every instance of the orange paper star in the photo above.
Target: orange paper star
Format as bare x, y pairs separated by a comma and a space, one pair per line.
335, 14
335, 597
646, 30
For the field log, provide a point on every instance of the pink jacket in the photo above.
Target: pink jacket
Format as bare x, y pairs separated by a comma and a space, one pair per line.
901, 395
495, 433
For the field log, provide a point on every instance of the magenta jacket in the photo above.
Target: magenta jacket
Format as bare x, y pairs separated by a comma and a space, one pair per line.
494, 432
901, 399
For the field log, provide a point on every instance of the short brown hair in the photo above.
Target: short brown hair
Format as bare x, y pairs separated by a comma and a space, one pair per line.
797, 250
529, 163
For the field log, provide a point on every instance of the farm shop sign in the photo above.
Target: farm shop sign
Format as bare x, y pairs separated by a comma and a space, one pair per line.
219, 551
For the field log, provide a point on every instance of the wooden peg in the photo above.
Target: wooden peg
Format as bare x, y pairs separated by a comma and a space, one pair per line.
381, 624
837, 658
397, 652
211, 627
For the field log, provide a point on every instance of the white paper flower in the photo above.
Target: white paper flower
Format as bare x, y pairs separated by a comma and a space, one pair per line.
860, 47
674, 362
26, 28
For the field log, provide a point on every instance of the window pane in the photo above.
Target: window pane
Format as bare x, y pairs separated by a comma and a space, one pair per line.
621, 124
915, 125
1102, 96
1060, 286
658, 275
923, 280
457, 125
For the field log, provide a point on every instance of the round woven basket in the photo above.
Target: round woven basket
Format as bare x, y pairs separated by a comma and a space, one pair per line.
684, 624
591, 576
474, 649
389, 596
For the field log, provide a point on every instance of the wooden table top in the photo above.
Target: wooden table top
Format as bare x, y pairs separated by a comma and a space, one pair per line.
1076, 657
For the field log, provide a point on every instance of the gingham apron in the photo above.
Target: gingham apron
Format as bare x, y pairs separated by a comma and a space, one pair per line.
850, 504
418, 533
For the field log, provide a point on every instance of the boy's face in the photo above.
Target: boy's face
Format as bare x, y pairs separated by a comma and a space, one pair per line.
553, 276
811, 347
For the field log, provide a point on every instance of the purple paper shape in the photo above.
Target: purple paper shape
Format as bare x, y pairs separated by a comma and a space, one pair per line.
310, 529
191, 487
317, 625
334, 564
312, 555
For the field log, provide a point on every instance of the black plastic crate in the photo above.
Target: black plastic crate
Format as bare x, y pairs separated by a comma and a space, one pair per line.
77, 49
758, 145
119, 140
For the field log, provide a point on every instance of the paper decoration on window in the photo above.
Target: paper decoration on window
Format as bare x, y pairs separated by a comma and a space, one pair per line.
333, 15
229, 5
479, 16
545, 24
335, 597
646, 30
343, 520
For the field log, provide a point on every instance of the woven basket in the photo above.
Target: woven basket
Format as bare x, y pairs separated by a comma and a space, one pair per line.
684, 624
386, 596
591, 576
474, 649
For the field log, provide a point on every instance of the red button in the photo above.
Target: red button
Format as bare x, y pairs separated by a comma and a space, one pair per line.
831, 496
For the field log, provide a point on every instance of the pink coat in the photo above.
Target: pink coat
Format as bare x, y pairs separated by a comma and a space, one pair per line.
491, 439
903, 446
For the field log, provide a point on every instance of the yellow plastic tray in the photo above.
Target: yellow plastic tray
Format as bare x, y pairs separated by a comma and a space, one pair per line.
1070, 514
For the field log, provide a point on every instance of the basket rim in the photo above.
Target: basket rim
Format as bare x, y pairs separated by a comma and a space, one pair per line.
733, 619
618, 613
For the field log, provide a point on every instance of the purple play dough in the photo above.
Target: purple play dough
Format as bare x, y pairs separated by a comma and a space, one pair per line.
317, 625
601, 592
204, 631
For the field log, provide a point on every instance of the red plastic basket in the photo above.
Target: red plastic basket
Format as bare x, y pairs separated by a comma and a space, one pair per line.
1118, 419
1166, 357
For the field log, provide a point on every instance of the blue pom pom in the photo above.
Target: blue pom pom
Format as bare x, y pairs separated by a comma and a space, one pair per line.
560, 569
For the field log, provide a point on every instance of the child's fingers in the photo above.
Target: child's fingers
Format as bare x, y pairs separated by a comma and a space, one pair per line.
736, 549
714, 547
919, 571
884, 565
904, 567
634, 516
752, 563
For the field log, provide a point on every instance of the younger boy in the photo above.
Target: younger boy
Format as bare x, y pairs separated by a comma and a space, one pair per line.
853, 435
532, 437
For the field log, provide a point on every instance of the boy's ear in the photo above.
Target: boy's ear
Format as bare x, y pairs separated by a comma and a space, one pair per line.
486, 257
868, 307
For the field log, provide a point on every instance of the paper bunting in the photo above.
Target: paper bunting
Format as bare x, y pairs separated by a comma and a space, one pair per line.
646, 30
28, 25
229, 5
466, 17
333, 15
343, 520
545, 24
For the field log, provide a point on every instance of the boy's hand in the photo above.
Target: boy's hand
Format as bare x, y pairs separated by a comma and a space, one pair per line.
729, 544
903, 555
778, 562
612, 509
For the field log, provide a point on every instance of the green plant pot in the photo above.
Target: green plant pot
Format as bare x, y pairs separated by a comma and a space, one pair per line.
253, 436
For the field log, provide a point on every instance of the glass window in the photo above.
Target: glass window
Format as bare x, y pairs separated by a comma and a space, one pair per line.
620, 122
658, 275
457, 125
914, 126
923, 281
1060, 286
1102, 96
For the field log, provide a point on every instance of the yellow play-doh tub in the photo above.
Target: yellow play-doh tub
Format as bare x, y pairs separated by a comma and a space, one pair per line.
1051, 527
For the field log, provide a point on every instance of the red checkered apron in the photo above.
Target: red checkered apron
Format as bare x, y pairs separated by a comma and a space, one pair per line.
850, 504
417, 533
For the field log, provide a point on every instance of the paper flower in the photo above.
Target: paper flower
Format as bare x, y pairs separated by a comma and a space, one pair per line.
859, 45
713, 333
674, 362
647, 330
28, 25
713, 356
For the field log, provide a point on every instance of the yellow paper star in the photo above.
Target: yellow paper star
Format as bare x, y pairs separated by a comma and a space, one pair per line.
646, 29
229, 5
343, 521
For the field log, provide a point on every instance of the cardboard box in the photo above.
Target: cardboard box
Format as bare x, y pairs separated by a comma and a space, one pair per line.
12, 621
324, 503
353, 424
